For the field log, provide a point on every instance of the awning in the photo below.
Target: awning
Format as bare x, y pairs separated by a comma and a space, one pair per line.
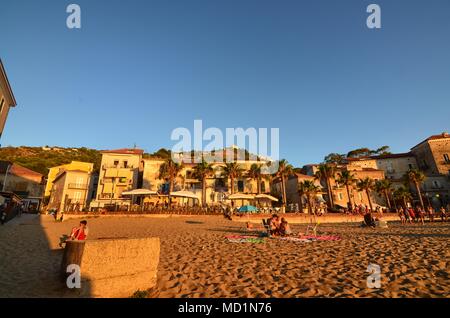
140, 192
266, 197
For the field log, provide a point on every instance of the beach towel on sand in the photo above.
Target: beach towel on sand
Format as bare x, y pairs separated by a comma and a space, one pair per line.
244, 239
321, 237
295, 239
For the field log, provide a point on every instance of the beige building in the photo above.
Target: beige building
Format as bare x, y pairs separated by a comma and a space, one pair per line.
23, 182
360, 169
119, 172
7, 99
217, 186
54, 171
71, 190
433, 158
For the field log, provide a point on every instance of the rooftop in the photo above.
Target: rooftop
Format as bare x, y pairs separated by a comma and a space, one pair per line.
444, 135
125, 151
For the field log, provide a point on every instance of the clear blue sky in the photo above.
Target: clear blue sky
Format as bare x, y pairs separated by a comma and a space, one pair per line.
138, 69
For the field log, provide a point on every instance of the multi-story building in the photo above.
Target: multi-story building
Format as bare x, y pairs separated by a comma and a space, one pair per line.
71, 190
360, 168
217, 185
119, 172
7, 99
23, 182
54, 171
433, 158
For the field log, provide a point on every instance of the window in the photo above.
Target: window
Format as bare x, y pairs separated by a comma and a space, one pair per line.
410, 166
263, 186
125, 164
116, 162
1, 105
77, 196
360, 196
436, 184
340, 196
446, 158
240, 186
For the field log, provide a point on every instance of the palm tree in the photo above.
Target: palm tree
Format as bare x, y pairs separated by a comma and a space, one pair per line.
169, 171
417, 177
384, 187
367, 185
325, 173
284, 171
348, 179
255, 173
202, 171
402, 194
309, 190
232, 171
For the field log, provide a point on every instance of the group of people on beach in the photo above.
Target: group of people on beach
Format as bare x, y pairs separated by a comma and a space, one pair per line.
418, 215
278, 226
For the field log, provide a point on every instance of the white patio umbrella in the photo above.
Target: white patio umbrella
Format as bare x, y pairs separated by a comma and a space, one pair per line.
241, 196
185, 194
266, 197
138, 192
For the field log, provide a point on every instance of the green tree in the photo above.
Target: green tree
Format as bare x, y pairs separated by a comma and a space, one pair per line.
202, 171
346, 178
255, 173
384, 187
169, 171
403, 195
367, 185
284, 171
232, 171
416, 177
326, 172
308, 189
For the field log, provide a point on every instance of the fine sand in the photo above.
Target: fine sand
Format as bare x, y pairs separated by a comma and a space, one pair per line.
197, 261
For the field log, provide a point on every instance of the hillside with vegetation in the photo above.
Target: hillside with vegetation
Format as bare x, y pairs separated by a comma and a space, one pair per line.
40, 159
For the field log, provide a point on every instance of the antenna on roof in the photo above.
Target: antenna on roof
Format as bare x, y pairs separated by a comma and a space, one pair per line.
134, 147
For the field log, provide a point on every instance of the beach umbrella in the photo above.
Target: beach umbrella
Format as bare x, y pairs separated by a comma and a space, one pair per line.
247, 208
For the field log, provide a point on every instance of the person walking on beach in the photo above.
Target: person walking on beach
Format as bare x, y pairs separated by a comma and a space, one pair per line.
420, 215
430, 213
443, 214
407, 216
401, 215
412, 215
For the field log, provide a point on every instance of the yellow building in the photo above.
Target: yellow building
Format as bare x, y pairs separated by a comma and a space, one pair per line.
54, 171
71, 190
7, 99
119, 172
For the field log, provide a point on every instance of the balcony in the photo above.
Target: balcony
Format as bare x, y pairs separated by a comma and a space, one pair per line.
78, 186
105, 167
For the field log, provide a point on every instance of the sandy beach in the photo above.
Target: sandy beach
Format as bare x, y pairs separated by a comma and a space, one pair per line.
197, 260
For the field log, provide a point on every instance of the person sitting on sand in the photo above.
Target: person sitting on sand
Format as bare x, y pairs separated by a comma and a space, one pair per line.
274, 225
369, 220
79, 233
285, 229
